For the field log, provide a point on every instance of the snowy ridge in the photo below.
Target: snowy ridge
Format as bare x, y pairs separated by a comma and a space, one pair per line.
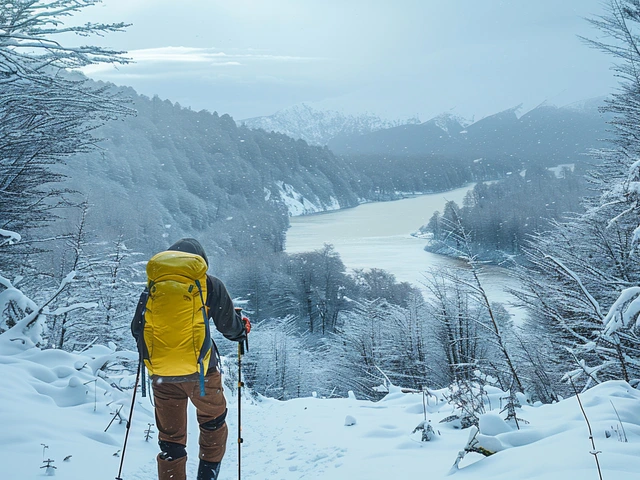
587, 105
317, 127
451, 124
298, 204
57, 405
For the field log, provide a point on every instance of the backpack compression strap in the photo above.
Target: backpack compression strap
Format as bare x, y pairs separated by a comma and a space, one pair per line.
143, 352
207, 339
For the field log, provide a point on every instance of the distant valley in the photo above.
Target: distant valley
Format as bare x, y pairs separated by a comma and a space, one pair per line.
171, 171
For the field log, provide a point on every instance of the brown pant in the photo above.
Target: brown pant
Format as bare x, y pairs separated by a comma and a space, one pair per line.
171, 414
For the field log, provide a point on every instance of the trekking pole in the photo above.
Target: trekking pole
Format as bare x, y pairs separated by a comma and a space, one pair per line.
240, 385
241, 350
126, 435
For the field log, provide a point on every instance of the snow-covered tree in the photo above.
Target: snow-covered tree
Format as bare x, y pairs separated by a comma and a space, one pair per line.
457, 326
320, 287
412, 347
73, 259
572, 272
378, 342
46, 113
361, 347
587, 264
378, 283
115, 276
281, 364
23, 322
478, 321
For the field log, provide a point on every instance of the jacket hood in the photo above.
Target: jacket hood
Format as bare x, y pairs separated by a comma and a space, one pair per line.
189, 245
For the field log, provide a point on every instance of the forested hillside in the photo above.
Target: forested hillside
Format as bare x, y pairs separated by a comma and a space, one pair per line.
170, 171
497, 219
391, 175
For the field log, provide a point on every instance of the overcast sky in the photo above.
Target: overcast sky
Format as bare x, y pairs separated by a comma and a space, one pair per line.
394, 58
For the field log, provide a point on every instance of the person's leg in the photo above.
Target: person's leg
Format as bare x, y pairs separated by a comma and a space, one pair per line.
171, 419
208, 470
211, 412
172, 469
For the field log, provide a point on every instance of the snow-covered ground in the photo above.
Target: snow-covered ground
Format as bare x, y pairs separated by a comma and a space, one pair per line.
57, 405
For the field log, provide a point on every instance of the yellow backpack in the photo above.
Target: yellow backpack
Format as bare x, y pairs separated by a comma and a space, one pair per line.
176, 322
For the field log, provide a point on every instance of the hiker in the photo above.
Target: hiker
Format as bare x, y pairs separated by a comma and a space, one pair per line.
170, 325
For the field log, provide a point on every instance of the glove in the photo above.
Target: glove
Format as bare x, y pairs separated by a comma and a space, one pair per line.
245, 320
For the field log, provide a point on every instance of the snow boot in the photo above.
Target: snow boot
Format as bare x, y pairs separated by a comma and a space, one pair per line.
172, 469
208, 470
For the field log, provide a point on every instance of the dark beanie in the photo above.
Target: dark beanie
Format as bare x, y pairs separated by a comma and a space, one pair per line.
190, 245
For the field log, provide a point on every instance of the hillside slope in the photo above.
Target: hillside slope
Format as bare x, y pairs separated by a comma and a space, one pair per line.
170, 171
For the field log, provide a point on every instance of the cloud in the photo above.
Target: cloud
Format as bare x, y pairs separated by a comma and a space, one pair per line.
174, 62
176, 54
202, 55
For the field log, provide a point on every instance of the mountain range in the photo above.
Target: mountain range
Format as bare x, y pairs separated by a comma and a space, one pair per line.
547, 134
318, 127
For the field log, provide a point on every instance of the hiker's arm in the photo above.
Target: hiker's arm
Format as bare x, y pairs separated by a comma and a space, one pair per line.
136, 323
221, 310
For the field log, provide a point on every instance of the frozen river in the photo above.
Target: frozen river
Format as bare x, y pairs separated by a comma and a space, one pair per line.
379, 235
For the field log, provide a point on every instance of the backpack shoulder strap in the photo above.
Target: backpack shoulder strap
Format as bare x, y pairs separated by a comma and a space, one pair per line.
209, 304
137, 328
206, 345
